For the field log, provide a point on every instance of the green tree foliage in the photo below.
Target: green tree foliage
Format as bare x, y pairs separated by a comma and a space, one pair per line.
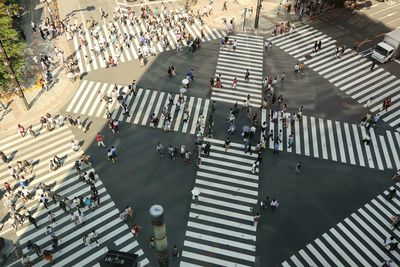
13, 45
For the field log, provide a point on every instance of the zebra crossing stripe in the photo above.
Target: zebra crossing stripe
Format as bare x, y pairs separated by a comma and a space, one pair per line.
238, 225
340, 142
296, 261
285, 264
78, 55
314, 137
318, 256
339, 250
393, 146
376, 149
367, 150
185, 125
349, 143
358, 146
220, 230
141, 107
226, 187
212, 260
386, 155
307, 258
76, 96
149, 107
135, 102
323, 140
328, 253
297, 136
226, 179
196, 116
305, 133
222, 241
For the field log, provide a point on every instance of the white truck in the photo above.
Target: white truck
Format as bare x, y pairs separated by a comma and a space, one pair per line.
389, 48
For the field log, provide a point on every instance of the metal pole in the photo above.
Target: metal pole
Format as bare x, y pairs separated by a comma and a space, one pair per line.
13, 77
244, 17
160, 234
258, 8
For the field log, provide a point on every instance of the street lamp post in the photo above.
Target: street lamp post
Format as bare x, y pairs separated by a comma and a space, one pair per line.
160, 234
13, 77
258, 8
244, 12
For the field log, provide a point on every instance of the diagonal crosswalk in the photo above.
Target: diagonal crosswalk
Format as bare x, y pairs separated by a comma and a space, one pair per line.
336, 141
122, 41
356, 241
66, 183
220, 228
247, 56
86, 101
350, 73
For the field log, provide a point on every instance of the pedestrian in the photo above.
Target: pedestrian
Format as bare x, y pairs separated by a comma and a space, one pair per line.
276, 148
152, 242
253, 167
63, 206
129, 212
49, 231
73, 218
26, 261
256, 219
397, 175
369, 102
373, 65
224, 6
99, 139
227, 144
198, 162
298, 166
315, 46
234, 83
290, 140
160, 149
110, 156
389, 240
391, 194
366, 140
393, 246
175, 252
388, 263
50, 217
274, 204
32, 221
44, 200
94, 237
247, 76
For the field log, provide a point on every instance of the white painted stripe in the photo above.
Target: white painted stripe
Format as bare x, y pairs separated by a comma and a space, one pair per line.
226, 164
130, 247
196, 116
222, 241
307, 258
314, 140
226, 179
349, 143
297, 137
305, 132
83, 97
285, 264
374, 142
318, 256
230, 223
296, 261
328, 253
367, 149
233, 158
393, 149
223, 231
339, 250
96, 100
219, 251
226, 187
359, 245
288, 132
323, 139
100, 112
149, 107
222, 212
235, 197
135, 102
365, 80
90, 99
141, 107
212, 260
189, 108
76, 96
186, 264
385, 152
358, 145
340, 142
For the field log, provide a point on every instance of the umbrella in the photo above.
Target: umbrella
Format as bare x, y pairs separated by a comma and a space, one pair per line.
246, 129
185, 81
183, 90
195, 192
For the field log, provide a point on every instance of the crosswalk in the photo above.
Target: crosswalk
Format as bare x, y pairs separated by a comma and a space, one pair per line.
220, 228
356, 241
247, 56
86, 101
336, 141
113, 233
105, 40
350, 73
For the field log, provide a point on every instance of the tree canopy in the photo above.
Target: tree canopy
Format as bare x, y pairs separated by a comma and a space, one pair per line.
12, 43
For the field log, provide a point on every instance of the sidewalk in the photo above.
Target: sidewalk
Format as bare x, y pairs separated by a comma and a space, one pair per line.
41, 102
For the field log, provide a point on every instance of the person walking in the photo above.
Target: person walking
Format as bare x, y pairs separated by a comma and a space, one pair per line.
373, 65
175, 252
227, 144
32, 221
234, 83
99, 139
160, 149
224, 6
256, 219
397, 175
247, 76
298, 166
391, 194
